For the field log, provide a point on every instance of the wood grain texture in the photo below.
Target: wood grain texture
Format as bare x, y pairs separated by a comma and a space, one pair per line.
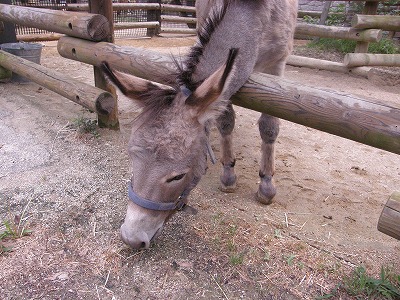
90, 97
77, 24
389, 221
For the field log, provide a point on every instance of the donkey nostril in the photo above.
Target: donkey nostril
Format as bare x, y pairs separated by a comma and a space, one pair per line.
143, 245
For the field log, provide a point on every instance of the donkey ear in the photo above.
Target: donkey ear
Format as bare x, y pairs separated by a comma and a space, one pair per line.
131, 86
205, 96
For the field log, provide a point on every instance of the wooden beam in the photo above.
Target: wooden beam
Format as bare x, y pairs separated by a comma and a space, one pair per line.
389, 221
176, 19
90, 97
363, 120
320, 64
370, 8
82, 25
134, 25
366, 59
39, 37
370, 35
389, 23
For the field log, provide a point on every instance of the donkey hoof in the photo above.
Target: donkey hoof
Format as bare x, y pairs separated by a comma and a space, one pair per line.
228, 183
266, 192
227, 188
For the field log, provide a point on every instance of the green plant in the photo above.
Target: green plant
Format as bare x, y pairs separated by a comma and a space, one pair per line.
385, 46
290, 259
362, 286
310, 20
14, 229
337, 15
84, 125
236, 259
342, 46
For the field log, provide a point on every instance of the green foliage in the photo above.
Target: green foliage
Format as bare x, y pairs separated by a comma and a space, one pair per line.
14, 229
385, 46
337, 15
310, 20
236, 259
84, 125
362, 286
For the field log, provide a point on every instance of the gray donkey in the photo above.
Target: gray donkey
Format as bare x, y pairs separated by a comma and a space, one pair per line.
169, 140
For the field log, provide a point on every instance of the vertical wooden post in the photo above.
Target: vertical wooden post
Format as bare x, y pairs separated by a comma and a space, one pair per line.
370, 8
325, 13
104, 7
154, 15
7, 34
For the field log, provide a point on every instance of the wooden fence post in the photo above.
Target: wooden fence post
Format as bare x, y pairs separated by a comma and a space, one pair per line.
370, 8
7, 34
104, 7
154, 16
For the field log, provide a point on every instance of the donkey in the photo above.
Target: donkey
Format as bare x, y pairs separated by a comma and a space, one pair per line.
169, 140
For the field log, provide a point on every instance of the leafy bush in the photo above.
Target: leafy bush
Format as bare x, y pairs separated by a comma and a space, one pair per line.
385, 46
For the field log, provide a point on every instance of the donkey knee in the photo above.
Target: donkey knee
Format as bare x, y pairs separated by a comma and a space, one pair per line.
226, 122
269, 128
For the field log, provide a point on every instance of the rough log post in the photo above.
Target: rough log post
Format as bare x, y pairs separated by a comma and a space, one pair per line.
104, 8
370, 8
320, 64
325, 13
389, 23
90, 97
363, 120
77, 24
389, 221
370, 35
366, 59
7, 33
154, 16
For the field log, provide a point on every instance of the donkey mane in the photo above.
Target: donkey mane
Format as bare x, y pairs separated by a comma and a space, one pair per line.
157, 99
196, 52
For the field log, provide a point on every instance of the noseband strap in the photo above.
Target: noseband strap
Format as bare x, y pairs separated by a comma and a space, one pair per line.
179, 204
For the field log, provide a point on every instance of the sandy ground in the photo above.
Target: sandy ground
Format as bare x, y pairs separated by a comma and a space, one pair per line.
71, 187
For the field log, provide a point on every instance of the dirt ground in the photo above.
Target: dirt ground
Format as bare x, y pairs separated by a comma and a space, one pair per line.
70, 188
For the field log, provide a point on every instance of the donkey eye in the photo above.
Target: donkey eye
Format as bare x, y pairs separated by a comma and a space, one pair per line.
176, 178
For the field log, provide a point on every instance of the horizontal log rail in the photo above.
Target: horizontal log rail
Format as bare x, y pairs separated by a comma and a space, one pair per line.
177, 30
92, 98
321, 64
389, 23
134, 25
369, 35
177, 8
366, 59
363, 120
78, 24
116, 6
176, 19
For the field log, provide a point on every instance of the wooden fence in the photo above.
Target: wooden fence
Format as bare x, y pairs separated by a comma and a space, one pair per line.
364, 120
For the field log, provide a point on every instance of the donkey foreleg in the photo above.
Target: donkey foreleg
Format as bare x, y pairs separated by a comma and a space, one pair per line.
225, 125
269, 130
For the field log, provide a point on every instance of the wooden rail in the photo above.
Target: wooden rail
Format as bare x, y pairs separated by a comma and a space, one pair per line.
363, 120
81, 25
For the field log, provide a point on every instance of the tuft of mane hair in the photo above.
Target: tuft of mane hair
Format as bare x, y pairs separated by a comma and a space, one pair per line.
204, 35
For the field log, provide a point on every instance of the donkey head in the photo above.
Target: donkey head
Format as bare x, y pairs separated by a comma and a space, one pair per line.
168, 147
